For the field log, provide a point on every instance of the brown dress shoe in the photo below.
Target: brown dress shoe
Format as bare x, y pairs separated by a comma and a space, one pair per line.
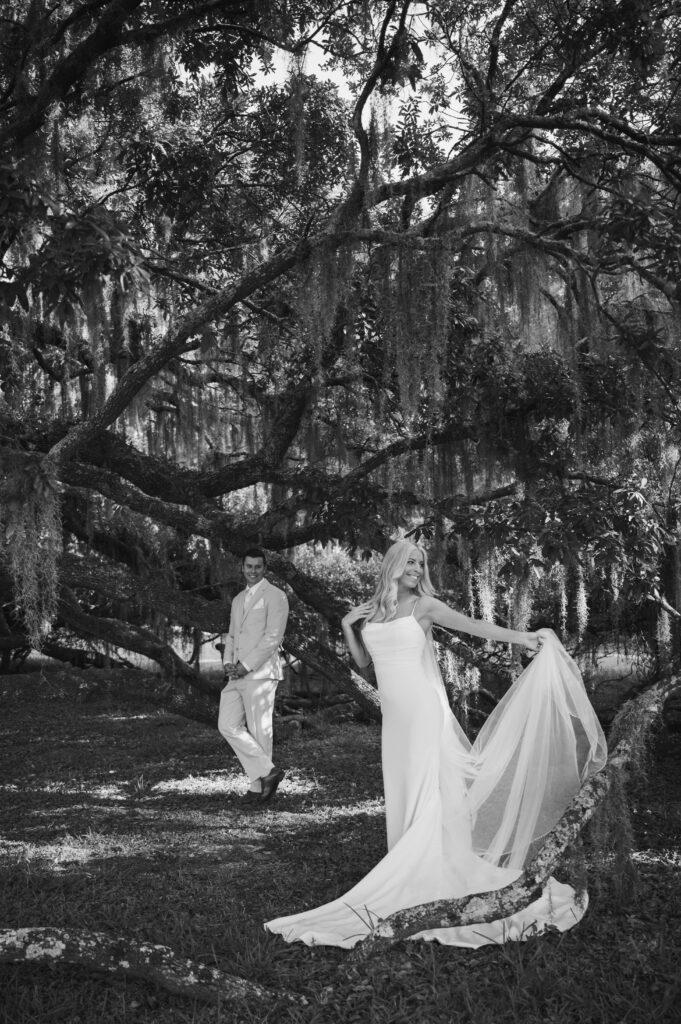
270, 782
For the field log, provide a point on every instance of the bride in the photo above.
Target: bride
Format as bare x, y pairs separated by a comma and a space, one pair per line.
460, 819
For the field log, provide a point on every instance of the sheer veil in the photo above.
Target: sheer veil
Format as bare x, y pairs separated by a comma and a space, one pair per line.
536, 749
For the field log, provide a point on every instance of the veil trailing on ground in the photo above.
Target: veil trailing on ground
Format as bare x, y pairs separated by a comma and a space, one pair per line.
538, 746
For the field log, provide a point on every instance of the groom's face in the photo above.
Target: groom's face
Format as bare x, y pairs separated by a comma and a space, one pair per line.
253, 570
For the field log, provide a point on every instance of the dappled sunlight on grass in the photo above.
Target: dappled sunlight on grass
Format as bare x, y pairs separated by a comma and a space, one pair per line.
201, 785
112, 791
69, 850
134, 825
119, 716
296, 783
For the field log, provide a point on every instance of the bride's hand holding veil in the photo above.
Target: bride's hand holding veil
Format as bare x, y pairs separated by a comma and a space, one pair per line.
539, 638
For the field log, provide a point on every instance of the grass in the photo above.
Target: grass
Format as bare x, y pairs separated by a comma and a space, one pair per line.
121, 818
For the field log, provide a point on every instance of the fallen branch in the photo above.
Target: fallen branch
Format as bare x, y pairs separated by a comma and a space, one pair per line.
99, 952
480, 908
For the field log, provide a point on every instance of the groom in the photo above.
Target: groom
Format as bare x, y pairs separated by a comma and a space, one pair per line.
252, 669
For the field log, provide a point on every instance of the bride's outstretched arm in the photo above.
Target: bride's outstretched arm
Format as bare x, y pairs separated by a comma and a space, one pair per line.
441, 615
354, 642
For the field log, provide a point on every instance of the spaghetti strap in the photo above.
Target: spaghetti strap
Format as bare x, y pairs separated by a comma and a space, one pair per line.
414, 608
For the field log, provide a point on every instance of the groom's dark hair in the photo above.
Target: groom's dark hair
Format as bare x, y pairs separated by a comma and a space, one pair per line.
254, 553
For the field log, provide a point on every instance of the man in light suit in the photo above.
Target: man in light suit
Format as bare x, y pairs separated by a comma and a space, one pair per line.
253, 669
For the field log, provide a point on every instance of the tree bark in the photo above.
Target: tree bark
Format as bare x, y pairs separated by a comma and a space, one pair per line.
338, 673
109, 579
480, 908
122, 634
99, 952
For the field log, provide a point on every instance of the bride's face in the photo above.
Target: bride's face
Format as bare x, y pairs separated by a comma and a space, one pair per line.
413, 571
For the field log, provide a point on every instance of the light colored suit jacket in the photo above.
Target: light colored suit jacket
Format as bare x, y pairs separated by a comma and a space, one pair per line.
255, 635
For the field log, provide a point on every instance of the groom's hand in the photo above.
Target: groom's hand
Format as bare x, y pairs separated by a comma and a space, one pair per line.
233, 671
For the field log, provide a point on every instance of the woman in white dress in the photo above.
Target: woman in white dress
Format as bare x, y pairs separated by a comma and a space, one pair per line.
460, 819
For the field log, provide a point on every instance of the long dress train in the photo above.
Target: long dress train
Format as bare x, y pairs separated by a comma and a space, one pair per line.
464, 819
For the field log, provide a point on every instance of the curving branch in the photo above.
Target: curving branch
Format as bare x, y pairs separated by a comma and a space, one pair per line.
120, 957
385, 58
185, 339
601, 125
147, 33
329, 666
131, 638
493, 65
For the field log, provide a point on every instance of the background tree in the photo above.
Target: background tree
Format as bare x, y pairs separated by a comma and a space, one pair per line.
427, 281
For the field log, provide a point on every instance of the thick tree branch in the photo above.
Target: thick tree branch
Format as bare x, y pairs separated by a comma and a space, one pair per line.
186, 338
601, 125
87, 573
210, 523
119, 957
154, 30
336, 671
129, 637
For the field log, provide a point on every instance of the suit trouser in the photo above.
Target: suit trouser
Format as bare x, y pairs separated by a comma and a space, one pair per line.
245, 721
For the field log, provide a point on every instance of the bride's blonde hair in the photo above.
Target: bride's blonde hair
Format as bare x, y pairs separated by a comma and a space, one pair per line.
384, 598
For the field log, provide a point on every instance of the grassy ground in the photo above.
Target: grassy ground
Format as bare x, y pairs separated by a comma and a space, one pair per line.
124, 819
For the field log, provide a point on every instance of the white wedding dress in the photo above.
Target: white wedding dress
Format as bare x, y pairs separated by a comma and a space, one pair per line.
462, 819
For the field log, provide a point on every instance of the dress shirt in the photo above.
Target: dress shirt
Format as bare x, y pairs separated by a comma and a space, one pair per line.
251, 592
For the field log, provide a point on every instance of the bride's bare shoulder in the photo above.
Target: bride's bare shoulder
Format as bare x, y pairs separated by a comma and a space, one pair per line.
427, 604
437, 611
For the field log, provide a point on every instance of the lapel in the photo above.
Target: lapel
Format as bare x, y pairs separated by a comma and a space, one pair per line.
238, 608
244, 609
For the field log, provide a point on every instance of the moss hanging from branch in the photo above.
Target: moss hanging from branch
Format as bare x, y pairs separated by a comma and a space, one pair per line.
323, 288
461, 679
412, 294
559, 576
31, 539
299, 92
581, 603
485, 579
